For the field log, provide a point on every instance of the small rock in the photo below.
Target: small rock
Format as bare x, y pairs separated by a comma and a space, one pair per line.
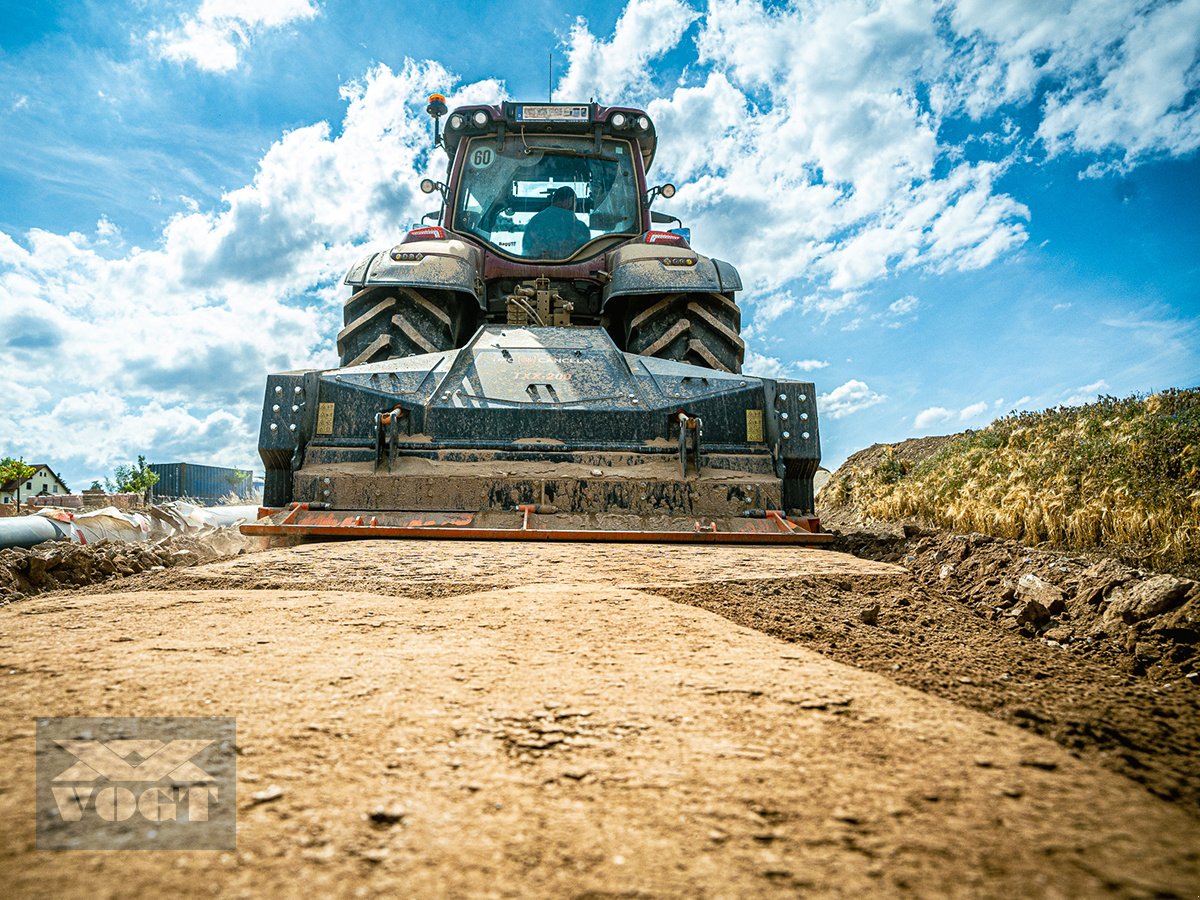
387, 815
1062, 634
274, 792
1100, 580
37, 569
1148, 598
1032, 588
869, 615
1030, 613
1044, 764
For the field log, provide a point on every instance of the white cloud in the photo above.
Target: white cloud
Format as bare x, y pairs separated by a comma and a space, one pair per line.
848, 398
830, 304
166, 349
763, 366
857, 92
863, 189
899, 313
772, 306
772, 367
1085, 393
604, 69
931, 416
108, 234
970, 412
810, 365
214, 37
1141, 104
1122, 75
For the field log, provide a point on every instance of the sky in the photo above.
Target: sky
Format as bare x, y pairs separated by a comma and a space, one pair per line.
941, 211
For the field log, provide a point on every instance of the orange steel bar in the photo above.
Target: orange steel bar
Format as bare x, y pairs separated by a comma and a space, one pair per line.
301, 521
538, 534
780, 520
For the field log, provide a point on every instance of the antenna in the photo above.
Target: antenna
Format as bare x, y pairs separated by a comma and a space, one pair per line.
550, 76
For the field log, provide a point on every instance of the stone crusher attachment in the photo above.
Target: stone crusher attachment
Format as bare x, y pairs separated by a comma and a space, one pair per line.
539, 434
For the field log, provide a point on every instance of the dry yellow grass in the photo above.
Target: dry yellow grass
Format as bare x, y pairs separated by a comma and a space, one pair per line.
1122, 475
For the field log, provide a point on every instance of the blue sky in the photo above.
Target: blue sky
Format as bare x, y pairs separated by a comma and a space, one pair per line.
941, 211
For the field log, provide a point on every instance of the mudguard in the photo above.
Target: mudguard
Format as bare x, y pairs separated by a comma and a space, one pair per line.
659, 269
441, 265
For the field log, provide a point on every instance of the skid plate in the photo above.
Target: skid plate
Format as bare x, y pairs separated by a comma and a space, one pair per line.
527, 523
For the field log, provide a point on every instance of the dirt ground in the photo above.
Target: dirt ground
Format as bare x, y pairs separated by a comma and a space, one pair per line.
449, 719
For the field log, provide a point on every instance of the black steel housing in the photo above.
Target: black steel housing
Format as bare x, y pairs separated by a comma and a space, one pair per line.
535, 394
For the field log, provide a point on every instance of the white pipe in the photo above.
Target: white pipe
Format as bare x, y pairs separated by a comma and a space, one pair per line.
26, 531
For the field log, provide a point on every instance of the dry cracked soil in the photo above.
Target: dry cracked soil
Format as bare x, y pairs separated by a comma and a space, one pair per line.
484, 719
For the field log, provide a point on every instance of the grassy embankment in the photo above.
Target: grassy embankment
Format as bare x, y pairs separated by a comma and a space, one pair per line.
1118, 475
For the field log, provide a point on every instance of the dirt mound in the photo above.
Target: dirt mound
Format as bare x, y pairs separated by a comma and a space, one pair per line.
59, 565
910, 452
1141, 622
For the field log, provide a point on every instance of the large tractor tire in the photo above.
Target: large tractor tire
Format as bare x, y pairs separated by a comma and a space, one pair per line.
696, 328
388, 322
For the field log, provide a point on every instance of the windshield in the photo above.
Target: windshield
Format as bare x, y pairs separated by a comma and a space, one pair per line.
528, 200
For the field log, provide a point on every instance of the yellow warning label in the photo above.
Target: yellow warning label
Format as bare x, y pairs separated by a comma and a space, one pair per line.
754, 425
325, 418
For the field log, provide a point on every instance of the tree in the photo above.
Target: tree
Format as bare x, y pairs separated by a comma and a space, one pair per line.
132, 479
15, 470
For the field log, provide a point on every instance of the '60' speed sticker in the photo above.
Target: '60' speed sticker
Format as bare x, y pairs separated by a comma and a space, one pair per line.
482, 157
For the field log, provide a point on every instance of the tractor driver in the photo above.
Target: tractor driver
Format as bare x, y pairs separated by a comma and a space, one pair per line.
555, 232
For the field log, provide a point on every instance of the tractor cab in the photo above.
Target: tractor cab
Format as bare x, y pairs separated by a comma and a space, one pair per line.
547, 182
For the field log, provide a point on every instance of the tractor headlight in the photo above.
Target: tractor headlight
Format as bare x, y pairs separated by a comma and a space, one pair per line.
618, 120
456, 121
480, 118
643, 123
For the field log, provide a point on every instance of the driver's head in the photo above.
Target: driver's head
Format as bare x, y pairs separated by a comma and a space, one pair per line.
564, 197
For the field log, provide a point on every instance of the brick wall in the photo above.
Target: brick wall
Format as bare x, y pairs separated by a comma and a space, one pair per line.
85, 501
